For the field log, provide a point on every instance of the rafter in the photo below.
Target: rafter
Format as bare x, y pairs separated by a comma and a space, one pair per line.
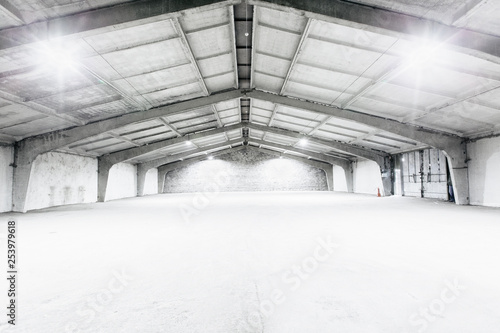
432, 138
392, 23
50, 141
318, 156
303, 37
40, 108
167, 124
102, 20
145, 166
124, 155
190, 54
376, 156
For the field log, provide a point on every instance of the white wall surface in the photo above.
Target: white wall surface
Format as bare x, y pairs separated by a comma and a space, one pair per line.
6, 159
367, 178
151, 182
339, 181
484, 172
122, 182
62, 179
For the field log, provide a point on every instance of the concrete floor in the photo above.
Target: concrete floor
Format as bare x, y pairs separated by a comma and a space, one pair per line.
258, 262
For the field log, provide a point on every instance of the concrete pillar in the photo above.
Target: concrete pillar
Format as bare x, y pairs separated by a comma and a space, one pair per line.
141, 180
162, 173
386, 171
457, 162
22, 175
102, 179
329, 177
349, 178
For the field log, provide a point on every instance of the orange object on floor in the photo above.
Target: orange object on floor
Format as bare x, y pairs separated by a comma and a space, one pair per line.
378, 190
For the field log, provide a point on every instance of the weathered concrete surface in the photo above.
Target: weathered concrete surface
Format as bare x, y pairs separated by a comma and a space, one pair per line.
143, 168
62, 179
246, 170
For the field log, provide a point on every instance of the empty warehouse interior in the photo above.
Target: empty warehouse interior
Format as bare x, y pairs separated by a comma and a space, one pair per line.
250, 165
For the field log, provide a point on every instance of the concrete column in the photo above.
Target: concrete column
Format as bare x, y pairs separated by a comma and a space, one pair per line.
102, 179
349, 178
22, 176
329, 177
457, 162
141, 180
162, 173
386, 171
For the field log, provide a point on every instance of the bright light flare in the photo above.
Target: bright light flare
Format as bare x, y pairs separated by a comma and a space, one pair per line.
58, 58
303, 142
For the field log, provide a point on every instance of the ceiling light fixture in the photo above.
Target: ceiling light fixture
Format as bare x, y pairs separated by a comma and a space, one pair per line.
303, 142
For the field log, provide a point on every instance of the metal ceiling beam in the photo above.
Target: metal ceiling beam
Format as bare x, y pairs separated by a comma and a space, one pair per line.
303, 37
233, 46
190, 54
102, 20
435, 139
54, 140
392, 23
11, 11
145, 166
169, 126
317, 156
468, 9
376, 156
320, 164
124, 155
41, 109
121, 138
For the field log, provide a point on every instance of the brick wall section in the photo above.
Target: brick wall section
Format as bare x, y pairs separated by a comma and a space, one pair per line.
246, 170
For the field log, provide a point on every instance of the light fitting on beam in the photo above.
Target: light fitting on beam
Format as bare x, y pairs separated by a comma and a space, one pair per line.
210, 157
189, 143
303, 142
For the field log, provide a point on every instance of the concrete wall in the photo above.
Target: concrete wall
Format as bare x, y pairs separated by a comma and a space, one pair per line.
339, 181
246, 170
484, 172
151, 183
62, 179
122, 182
6, 170
367, 178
